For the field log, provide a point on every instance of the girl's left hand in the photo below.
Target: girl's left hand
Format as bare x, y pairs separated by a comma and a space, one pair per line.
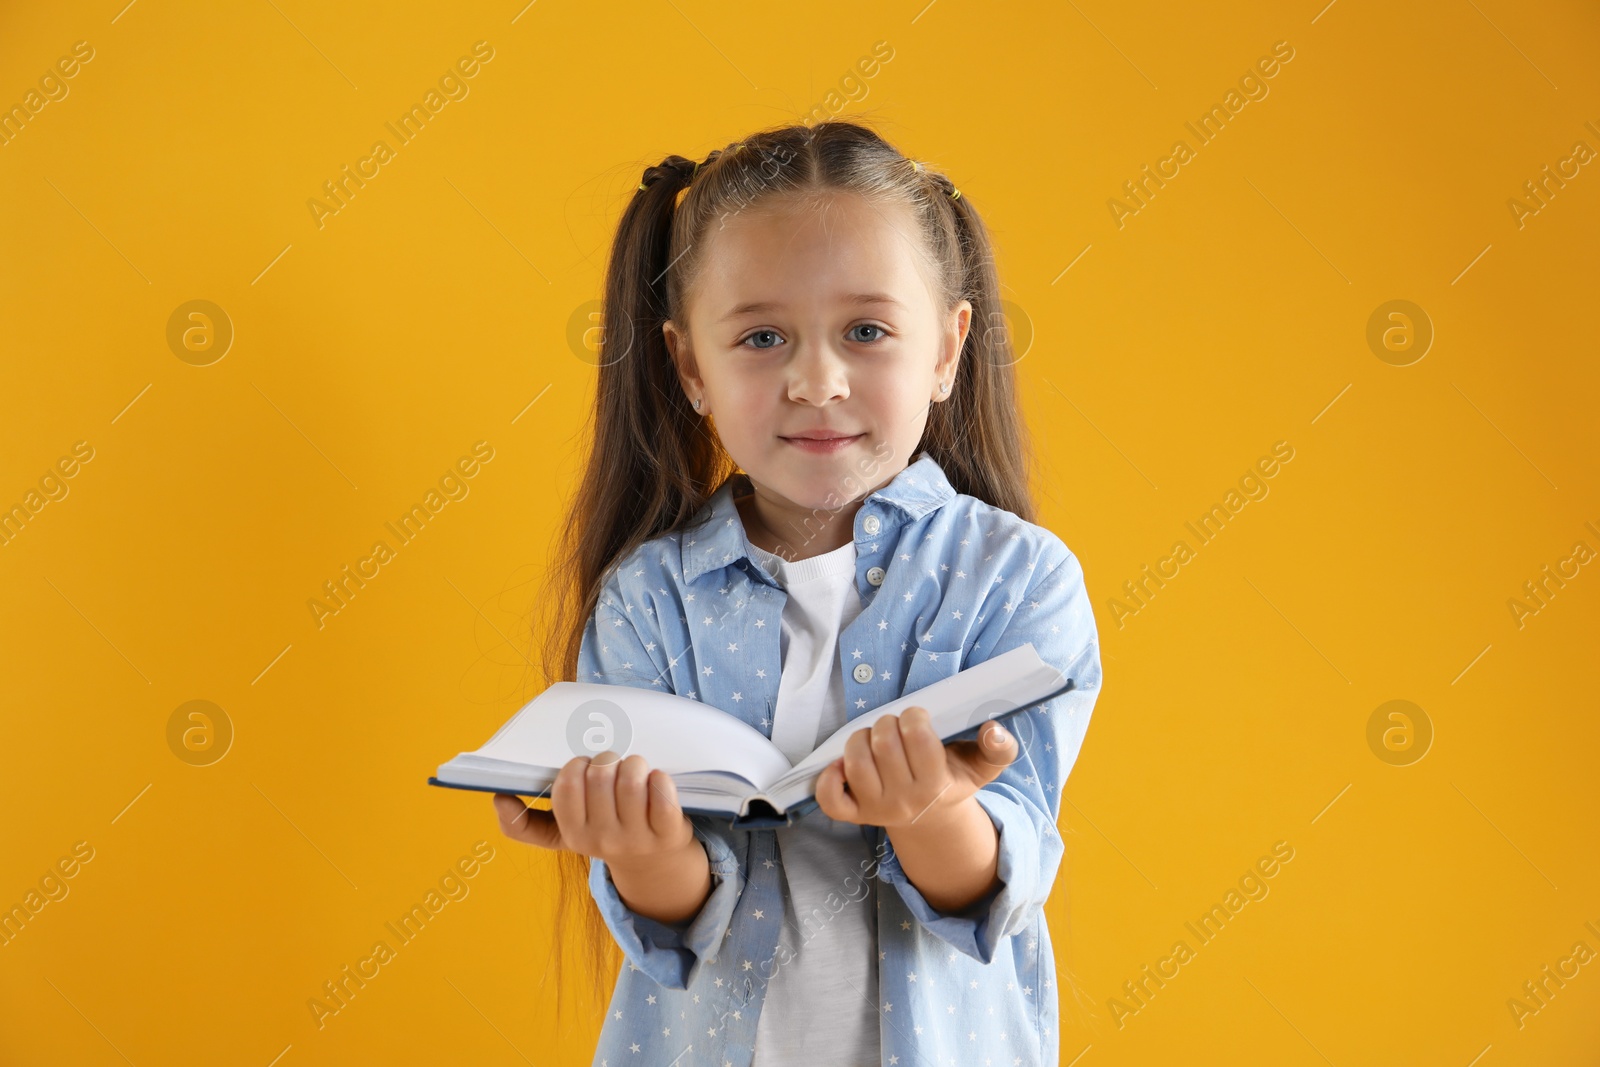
897, 771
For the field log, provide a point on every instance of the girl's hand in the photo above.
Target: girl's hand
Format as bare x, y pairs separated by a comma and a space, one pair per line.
897, 771
603, 808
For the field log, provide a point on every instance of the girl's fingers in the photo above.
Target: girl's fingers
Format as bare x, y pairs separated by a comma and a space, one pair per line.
860, 769
980, 762
997, 750
632, 814
522, 823
831, 797
923, 747
569, 798
600, 795
889, 755
661, 799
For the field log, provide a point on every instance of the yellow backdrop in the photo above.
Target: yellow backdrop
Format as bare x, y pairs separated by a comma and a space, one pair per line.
1351, 320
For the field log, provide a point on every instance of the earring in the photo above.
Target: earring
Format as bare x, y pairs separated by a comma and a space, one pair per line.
697, 403
945, 387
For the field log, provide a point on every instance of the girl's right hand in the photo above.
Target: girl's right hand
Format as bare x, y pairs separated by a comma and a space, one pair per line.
603, 808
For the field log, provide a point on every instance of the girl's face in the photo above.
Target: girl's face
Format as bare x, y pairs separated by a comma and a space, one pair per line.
817, 316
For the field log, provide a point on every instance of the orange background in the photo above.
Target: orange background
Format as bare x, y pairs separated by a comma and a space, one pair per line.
435, 310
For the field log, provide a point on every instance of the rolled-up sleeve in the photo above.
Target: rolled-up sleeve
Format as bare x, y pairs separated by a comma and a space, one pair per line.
613, 652
1024, 802
671, 954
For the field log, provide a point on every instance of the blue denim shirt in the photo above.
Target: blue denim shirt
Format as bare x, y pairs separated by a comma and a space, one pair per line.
946, 581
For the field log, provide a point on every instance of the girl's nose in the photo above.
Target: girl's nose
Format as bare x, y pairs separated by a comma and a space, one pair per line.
818, 376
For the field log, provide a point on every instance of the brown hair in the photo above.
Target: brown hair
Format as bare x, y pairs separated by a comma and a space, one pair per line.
654, 462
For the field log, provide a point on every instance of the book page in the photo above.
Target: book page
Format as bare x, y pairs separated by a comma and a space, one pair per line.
954, 704
673, 733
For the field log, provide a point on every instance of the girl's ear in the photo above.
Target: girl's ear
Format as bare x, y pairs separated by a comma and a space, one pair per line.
684, 362
953, 339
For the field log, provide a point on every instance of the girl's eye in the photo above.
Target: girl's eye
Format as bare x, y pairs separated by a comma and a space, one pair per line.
759, 333
881, 333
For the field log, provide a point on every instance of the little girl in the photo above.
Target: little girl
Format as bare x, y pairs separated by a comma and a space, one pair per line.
807, 496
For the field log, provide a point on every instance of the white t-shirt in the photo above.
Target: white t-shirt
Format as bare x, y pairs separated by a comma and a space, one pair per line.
821, 1007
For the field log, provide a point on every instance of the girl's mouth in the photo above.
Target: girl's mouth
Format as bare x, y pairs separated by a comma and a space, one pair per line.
822, 446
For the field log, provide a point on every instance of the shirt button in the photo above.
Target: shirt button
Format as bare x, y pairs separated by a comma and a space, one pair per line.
875, 575
862, 673
871, 524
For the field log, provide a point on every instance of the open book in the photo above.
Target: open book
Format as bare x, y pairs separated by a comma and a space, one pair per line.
721, 765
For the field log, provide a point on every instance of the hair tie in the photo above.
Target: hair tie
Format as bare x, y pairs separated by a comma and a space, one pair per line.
956, 195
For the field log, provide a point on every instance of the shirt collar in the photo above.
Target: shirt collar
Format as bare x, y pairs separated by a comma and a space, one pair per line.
716, 537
